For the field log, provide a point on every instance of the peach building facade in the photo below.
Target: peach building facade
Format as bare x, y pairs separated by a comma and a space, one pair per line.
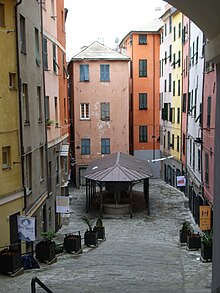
100, 93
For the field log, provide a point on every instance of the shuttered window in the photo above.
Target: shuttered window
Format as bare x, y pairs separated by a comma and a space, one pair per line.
104, 72
84, 72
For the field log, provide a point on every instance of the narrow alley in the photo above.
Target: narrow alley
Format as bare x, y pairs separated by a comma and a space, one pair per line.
141, 254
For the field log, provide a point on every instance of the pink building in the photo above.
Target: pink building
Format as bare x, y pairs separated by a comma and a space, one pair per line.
100, 98
208, 133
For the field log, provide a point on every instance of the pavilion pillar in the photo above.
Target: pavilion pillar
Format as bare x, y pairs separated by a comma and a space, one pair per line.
87, 196
130, 193
101, 200
146, 195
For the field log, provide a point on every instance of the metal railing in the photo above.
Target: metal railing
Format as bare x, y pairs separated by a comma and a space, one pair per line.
41, 284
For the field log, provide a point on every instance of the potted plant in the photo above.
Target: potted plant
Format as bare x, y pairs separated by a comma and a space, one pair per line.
185, 230
72, 243
10, 260
90, 236
100, 228
206, 246
193, 240
45, 249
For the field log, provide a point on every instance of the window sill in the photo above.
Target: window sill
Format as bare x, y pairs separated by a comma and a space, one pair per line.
41, 180
29, 193
6, 168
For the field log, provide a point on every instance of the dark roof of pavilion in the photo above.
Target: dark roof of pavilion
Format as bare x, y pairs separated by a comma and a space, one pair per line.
118, 167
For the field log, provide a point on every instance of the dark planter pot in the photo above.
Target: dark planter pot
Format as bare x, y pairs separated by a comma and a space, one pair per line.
193, 241
91, 238
183, 236
45, 251
206, 252
100, 231
72, 243
10, 261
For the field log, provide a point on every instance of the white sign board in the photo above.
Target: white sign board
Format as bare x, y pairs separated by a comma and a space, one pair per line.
180, 181
26, 228
62, 204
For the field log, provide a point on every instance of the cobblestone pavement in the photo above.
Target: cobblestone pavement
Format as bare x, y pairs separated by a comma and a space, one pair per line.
141, 254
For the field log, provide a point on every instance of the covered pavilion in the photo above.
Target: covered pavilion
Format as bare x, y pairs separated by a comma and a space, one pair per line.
115, 175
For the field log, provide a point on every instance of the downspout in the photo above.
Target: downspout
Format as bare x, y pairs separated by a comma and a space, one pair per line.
154, 136
44, 95
132, 98
20, 102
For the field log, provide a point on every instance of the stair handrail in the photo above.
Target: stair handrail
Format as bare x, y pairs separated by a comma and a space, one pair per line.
41, 284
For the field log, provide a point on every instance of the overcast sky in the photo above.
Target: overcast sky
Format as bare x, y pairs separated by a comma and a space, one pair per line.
90, 20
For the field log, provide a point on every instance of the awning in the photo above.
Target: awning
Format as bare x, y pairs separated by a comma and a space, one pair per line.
64, 150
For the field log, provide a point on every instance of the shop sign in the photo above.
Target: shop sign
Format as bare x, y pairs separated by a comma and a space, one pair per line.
205, 217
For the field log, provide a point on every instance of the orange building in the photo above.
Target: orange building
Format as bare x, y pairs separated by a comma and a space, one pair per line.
143, 47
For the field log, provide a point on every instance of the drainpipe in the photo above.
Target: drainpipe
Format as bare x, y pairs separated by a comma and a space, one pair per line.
154, 134
20, 102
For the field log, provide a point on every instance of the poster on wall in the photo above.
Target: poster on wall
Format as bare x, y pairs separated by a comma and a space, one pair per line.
26, 228
62, 204
205, 218
180, 181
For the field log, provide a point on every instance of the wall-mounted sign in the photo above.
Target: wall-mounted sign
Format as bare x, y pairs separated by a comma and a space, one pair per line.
180, 181
62, 204
205, 217
26, 228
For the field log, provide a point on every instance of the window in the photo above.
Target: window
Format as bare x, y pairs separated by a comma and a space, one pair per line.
12, 81
143, 68
208, 123
178, 143
193, 156
84, 72
199, 161
172, 141
85, 143
179, 30
195, 102
164, 141
165, 58
184, 103
174, 33
104, 72
161, 37
37, 47
173, 115
165, 85
179, 59
6, 157
190, 151
105, 146
170, 82
56, 111
2, 14
39, 103
41, 163
179, 87
174, 90
57, 170
25, 103
47, 108
131, 71
22, 34
174, 61
45, 59
105, 111
165, 29
184, 143
55, 64
142, 39
142, 133
52, 9
178, 115
170, 24
168, 139
84, 111
142, 101
170, 53
28, 165
207, 169
197, 50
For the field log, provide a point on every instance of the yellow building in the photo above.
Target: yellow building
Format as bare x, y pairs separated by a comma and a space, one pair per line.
11, 190
177, 85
